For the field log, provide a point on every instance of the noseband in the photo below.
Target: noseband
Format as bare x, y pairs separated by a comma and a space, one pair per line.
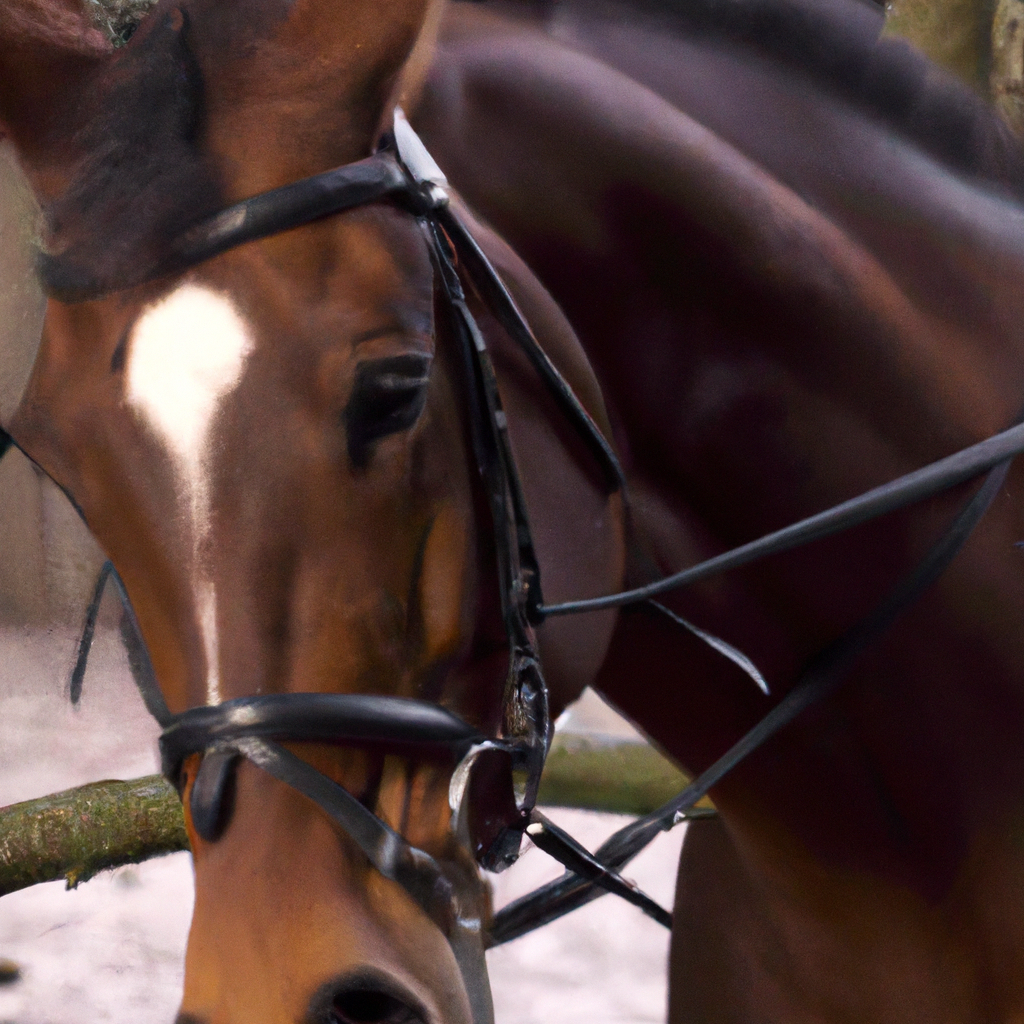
403, 173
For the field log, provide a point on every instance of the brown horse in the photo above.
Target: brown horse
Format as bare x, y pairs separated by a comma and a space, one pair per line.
796, 292
283, 486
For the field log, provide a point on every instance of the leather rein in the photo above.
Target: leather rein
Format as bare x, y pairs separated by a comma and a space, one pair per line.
402, 172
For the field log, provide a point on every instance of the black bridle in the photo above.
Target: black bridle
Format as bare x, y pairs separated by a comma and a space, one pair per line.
255, 727
402, 172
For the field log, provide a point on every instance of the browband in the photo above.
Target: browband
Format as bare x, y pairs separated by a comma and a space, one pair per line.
291, 206
366, 181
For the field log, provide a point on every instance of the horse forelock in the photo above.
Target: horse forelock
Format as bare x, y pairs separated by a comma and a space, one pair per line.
142, 176
210, 103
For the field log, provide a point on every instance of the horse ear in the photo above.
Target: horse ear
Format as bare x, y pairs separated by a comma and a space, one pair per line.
49, 50
337, 66
396, 45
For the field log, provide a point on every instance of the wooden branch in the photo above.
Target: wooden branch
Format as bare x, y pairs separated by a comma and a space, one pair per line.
624, 778
77, 833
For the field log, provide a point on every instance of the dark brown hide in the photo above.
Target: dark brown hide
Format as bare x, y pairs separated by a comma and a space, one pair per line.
797, 272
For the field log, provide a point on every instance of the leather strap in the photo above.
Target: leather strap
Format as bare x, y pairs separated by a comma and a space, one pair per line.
412, 726
821, 677
417, 872
905, 490
526, 723
138, 656
323, 195
501, 304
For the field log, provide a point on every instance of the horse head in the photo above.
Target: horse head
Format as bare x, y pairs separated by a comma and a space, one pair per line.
275, 448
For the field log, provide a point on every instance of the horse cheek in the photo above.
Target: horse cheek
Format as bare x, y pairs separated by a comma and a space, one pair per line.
442, 587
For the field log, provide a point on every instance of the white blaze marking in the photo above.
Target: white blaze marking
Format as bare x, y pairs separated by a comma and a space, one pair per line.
206, 606
186, 354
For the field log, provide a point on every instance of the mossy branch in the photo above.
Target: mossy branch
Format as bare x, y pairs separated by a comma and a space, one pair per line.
77, 833
624, 778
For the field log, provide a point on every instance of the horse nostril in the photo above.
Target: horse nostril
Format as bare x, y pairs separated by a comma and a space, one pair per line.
370, 1006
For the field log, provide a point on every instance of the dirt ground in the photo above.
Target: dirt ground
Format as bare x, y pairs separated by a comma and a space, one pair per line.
112, 950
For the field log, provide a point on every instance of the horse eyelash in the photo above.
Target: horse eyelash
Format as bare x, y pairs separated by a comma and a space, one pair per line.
388, 396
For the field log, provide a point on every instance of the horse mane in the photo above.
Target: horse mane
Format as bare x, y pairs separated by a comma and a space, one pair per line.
837, 46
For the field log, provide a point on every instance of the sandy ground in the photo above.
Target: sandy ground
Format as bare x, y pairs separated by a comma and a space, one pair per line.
113, 949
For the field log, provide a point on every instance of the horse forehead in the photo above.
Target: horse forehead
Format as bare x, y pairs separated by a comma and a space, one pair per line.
186, 353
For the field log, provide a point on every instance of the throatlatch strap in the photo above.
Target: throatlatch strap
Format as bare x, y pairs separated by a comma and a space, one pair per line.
905, 490
497, 298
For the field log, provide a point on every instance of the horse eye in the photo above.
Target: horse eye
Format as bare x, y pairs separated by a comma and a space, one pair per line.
371, 1007
388, 396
